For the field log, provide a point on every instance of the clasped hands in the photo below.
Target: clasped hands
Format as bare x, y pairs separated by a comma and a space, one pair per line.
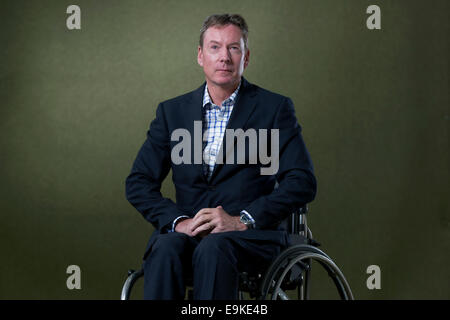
210, 220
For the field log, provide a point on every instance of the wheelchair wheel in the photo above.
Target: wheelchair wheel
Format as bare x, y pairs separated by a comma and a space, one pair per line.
129, 283
291, 270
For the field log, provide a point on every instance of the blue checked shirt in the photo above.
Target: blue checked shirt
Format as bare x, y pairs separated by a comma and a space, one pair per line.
215, 119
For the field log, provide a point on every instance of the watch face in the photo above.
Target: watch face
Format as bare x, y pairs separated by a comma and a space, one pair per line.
246, 220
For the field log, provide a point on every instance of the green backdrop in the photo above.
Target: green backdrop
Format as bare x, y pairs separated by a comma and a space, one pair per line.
75, 106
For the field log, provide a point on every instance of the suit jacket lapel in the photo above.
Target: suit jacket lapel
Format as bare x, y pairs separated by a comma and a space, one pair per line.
243, 108
195, 113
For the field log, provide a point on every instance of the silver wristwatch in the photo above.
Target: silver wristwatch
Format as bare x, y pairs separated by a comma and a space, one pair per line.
247, 219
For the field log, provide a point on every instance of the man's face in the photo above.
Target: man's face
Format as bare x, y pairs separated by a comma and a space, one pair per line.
223, 56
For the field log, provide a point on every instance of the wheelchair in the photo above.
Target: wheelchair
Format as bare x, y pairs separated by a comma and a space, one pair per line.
288, 276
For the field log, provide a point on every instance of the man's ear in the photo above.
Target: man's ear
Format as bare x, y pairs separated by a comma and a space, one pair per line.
246, 58
200, 56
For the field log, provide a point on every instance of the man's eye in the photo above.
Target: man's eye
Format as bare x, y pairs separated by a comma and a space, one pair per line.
214, 47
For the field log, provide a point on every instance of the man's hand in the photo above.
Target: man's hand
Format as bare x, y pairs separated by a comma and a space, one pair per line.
184, 226
214, 220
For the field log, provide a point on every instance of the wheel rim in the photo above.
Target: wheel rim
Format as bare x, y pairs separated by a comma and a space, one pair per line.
295, 255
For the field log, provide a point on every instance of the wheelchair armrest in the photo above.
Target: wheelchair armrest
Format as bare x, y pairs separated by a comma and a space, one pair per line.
297, 221
303, 210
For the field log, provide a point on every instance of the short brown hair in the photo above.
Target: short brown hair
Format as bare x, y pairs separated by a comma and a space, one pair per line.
224, 20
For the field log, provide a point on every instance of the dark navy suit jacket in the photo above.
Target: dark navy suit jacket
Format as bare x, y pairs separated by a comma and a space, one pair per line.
235, 187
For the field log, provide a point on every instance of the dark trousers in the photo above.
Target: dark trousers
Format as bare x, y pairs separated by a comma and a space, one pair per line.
213, 262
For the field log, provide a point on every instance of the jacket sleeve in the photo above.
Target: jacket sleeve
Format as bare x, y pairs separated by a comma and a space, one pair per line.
149, 170
295, 176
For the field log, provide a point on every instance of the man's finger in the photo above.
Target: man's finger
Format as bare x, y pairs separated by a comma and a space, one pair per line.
202, 219
201, 213
204, 227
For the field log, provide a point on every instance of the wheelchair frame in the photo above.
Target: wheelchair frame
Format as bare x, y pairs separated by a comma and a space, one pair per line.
289, 271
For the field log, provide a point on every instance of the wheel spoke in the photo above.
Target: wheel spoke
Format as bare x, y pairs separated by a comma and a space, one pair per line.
277, 292
280, 293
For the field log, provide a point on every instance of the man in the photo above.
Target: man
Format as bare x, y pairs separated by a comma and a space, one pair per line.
227, 214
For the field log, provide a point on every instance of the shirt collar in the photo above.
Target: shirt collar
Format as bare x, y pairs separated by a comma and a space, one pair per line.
230, 100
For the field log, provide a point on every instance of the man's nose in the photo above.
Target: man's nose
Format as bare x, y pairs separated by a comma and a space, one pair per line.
225, 55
